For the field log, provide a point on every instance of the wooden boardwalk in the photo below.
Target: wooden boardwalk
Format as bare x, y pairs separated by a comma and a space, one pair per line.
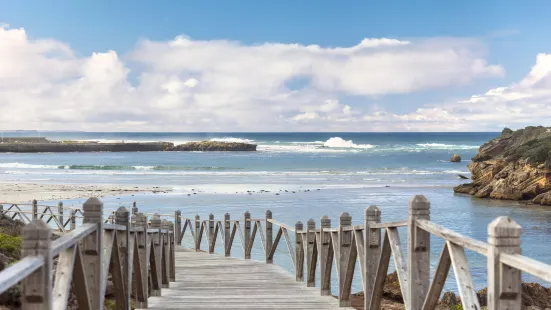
206, 281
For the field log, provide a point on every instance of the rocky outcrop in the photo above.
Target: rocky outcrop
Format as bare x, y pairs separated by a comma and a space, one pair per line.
455, 158
13, 145
513, 166
205, 146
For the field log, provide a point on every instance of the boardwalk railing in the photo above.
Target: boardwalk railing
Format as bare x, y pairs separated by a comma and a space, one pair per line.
138, 255
373, 244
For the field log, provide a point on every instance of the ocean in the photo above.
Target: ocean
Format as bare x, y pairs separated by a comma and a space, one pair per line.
297, 176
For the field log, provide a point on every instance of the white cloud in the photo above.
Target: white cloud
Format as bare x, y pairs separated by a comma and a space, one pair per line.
527, 102
193, 85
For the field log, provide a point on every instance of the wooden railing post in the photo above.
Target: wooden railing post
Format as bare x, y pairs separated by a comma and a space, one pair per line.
172, 259
211, 234
269, 237
299, 252
343, 255
157, 243
36, 290
247, 233
197, 233
141, 272
134, 208
165, 253
227, 235
60, 213
35, 209
372, 248
122, 218
177, 227
73, 220
92, 253
504, 282
325, 256
311, 253
418, 253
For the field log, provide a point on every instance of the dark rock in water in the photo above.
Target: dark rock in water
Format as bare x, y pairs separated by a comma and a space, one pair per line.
455, 158
513, 166
462, 177
205, 146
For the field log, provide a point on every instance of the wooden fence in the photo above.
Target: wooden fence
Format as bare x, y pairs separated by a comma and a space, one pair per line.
138, 255
373, 244
143, 259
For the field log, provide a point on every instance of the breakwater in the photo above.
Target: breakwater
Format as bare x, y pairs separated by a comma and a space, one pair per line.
41, 145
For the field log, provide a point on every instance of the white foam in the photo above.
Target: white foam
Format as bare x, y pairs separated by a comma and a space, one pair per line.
442, 146
27, 166
338, 142
232, 139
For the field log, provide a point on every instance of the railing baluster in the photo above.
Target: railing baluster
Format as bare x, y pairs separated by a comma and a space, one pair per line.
418, 252
198, 235
228, 239
269, 237
92, 253
210, 232
299, 252
247, 234
157, 244
122, 218
504, 282
372, 248
346, 258
177, 226
325, 256
141, 275
36, 290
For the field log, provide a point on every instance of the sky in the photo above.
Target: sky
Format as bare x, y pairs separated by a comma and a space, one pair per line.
248, 65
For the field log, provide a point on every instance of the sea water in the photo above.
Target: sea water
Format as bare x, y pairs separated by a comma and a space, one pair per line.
297, 176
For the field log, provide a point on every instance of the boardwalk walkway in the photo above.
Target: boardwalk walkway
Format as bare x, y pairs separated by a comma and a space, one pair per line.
213, 281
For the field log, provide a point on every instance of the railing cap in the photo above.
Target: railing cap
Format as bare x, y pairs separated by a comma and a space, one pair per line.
311, 224
299, 226
325, 221
268, 214
504, 227
345, 219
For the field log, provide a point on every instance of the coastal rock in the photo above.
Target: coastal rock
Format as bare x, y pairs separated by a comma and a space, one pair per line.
205, 146
513, 166
455, 158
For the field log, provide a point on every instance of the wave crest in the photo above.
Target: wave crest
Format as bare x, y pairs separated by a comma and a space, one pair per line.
338, 142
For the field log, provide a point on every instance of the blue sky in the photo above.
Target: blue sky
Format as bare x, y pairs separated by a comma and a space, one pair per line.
509, 34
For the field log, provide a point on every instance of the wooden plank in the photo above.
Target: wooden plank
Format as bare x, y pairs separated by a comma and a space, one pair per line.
109, 238
115, 267
289, 228
399, 261
528, 265
19, 271
359, 242
439, 279
236, 284
262, 237
243, 244
80, 282
276, 243
63, 278
447, 234
289, 246
467, 291
382, 270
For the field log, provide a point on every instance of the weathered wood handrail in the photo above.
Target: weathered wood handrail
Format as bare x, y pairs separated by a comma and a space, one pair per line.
134, 253
372, 244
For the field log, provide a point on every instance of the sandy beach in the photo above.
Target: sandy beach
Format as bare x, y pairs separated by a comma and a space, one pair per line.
26, 192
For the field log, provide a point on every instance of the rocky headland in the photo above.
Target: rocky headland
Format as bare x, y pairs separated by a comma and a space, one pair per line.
42, 145
514, 166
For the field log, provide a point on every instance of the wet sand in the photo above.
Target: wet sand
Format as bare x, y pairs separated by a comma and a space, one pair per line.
26, 192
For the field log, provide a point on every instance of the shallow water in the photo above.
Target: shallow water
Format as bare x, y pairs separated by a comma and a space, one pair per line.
322, 176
